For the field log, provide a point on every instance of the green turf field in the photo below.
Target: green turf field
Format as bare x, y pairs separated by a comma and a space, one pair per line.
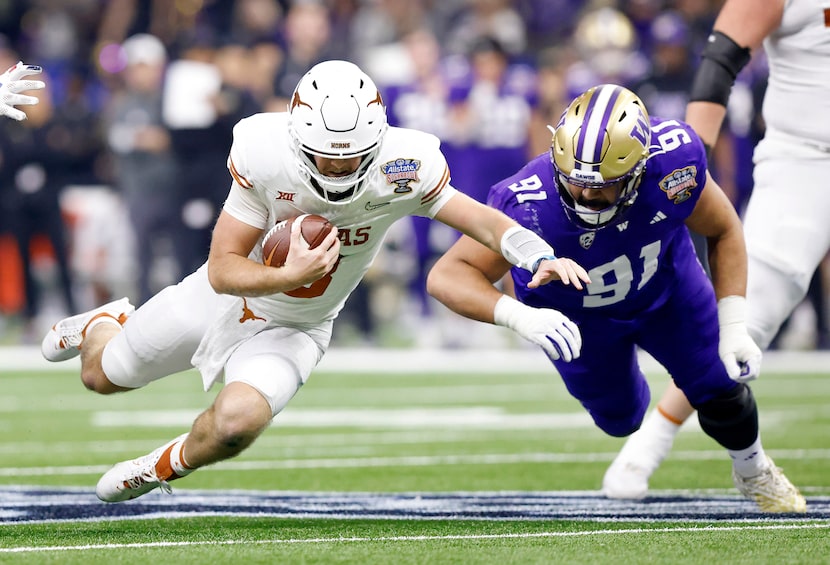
397, 465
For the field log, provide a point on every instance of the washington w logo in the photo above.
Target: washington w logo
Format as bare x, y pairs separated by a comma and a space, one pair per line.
622, 226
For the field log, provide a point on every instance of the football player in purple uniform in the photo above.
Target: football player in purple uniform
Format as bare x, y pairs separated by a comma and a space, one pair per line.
618, 193
786, 240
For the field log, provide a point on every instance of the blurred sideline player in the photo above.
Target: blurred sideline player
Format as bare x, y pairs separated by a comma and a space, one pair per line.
606, 45
617, 193
786, 221
264, 329
11, 87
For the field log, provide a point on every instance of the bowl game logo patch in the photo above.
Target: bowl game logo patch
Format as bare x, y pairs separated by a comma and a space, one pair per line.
401, 172
678, 184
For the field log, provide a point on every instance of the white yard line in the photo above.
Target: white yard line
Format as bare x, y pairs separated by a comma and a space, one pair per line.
414, 461
386, 539
455, 361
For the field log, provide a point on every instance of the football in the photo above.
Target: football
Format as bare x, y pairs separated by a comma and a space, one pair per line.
276, 242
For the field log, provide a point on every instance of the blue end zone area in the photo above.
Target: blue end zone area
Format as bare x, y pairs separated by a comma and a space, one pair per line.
21, 505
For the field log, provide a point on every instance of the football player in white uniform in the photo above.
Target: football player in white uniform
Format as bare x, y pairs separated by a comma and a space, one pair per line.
264, 329
785, 224
11, 86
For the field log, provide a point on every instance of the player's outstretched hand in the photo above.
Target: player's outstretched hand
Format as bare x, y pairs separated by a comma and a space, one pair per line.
11, 85
566, 270
550, 329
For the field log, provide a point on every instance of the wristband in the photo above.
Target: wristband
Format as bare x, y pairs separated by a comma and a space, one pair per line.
524, 248
731, 310
539, 261
508, 311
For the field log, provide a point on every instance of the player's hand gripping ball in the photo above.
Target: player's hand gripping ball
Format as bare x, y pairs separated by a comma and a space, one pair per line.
276, 242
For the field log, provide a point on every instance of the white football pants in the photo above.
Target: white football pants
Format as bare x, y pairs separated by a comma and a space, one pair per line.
787, 229
162, 335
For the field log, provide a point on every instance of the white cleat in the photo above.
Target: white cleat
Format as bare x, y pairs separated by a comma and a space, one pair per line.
65, 338
133, 478
625, 480
771, 490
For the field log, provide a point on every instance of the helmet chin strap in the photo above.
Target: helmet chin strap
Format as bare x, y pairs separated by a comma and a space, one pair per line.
336, 185
331, 195
595, 217
335, 189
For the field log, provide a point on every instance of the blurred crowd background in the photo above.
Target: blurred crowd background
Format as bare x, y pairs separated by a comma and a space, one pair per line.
111, 186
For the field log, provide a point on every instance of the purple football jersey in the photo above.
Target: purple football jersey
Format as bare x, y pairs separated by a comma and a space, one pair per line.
634, 261
648, 289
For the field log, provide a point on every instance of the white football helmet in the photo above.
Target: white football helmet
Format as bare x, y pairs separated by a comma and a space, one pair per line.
336, 112
602, 140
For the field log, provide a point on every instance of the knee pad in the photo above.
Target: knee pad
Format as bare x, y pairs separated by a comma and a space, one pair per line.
731, 419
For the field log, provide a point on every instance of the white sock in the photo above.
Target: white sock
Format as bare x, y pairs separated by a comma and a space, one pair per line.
662, 425
649, 445
177, 461
749, 462
659, 428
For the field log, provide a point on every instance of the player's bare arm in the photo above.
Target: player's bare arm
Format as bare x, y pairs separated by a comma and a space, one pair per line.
715, 218
746, 25
463, 279
231, 271
488, 226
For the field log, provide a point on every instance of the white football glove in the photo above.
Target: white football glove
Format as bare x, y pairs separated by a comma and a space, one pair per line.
550, 329
739, 353
11, 86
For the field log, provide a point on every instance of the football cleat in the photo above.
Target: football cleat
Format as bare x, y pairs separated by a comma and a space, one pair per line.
65, 338
771, 490
131, 479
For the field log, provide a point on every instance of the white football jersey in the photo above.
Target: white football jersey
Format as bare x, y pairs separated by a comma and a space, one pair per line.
797, 100
409, 177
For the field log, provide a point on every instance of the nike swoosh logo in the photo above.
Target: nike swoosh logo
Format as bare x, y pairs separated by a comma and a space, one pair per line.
369, 206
